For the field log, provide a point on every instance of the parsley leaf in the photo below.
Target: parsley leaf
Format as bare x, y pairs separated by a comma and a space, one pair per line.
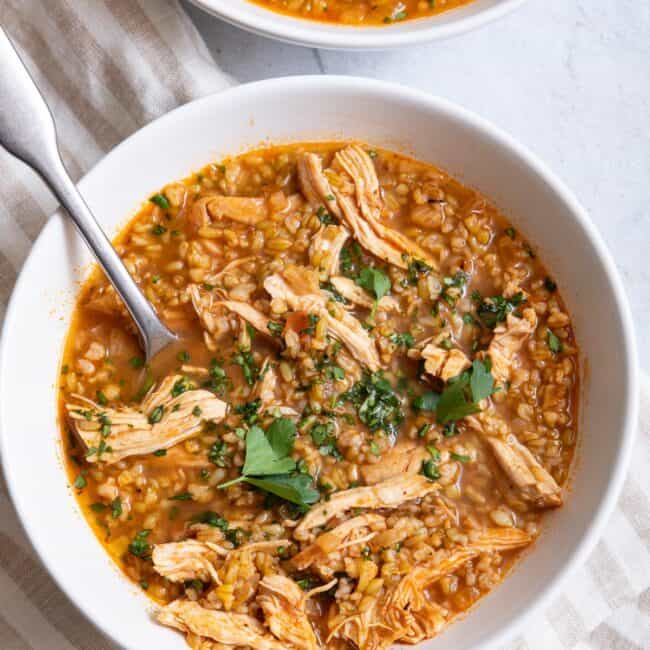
454, 403
269, 467
376, 283
426, 402
264, 457
281, 435
482, 382
293, 488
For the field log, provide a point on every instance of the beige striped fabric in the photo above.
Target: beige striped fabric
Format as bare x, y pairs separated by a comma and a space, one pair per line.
107, 67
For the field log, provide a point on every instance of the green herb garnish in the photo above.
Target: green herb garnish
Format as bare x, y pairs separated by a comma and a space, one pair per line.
160, 200
269, 467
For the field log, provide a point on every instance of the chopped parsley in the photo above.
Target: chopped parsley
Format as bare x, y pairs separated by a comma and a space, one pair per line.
245, 360
377, 404
494, 310
160, 200
554, 343
218, 382
249, 411
325, 217
116, 507
376, 283
430, 470
156, 415
183, 496
416, 269
211, 518
218, 453
404, 338
139, 545
276, 329
181, 386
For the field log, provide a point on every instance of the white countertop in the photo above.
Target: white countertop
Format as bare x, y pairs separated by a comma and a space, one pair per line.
570, 79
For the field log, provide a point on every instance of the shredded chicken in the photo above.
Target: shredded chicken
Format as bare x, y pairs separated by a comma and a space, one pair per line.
224, 627
352, 531
249, 211
300, 290
351, 291
407, 609
526, 473
215, 279
188, 560
314, 185
388, 494
440, 362
325, 248
208, 306
160, 422
404, 459
363, 217
266, 390
508, 339
283, 603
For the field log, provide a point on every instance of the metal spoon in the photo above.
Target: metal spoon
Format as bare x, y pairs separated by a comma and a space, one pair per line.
27, 131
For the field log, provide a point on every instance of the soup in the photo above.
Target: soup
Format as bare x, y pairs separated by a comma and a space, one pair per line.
358, 12
371, 410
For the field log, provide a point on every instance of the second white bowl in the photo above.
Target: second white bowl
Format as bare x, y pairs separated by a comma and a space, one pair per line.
311, 33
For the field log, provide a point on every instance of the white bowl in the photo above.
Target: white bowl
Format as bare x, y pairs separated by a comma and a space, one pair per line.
321, 108
312, 33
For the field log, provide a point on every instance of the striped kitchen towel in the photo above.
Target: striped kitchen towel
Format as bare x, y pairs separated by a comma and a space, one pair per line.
106, 68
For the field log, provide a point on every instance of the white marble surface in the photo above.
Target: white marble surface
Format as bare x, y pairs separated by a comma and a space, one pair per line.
570, 79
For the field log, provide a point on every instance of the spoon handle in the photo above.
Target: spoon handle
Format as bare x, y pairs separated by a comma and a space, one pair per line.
27, 131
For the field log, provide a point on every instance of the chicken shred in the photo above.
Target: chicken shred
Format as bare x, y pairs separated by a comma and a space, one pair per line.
440, 362
351, 291
406, 608
187, 560
283, 603
249, 211
160, 422
526, 473
298, 287
314, 185
223, 627
325, 249
332, 540
266, 389
405, 459
364, 216
508, 339
528, 477
208, 305
388, 494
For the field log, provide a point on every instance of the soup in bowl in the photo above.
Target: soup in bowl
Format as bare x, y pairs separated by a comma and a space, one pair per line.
378, 397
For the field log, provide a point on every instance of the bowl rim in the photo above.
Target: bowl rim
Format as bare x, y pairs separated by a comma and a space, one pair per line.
311, 33
501, 139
